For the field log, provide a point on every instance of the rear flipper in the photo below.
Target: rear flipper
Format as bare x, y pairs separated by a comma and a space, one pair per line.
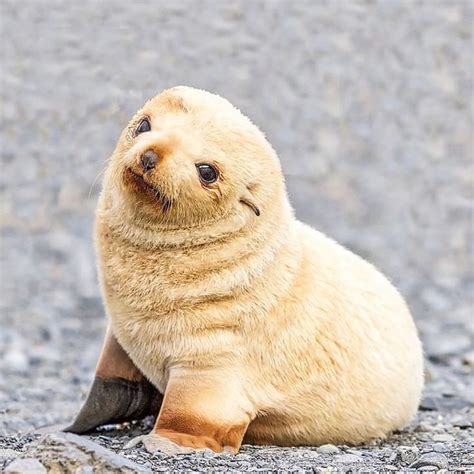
119, 392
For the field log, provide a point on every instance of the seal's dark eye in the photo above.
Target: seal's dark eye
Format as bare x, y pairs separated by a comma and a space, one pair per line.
143, 126
207, 173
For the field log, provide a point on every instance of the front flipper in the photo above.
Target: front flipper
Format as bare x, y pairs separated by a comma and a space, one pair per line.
119, 392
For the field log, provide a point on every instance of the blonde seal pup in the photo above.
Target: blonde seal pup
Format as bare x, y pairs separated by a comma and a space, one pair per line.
228, 318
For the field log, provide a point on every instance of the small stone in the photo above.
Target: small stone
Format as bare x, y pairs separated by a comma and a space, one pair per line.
328, 449
348, 458
15, 359
8, 453
243, 457
393, 457
84, 470
468, 358
431, 459
71, 450
443, 438
353, 451
429, 404
408, 454
439, 447
468, 459
390, 467
428, 468
463, 423
424, 428
27, 465
430, 372
385, 452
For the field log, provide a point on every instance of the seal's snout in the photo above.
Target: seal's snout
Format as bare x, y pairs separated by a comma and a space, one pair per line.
148, 160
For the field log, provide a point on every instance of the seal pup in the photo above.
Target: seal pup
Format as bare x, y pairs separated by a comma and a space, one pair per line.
229, 318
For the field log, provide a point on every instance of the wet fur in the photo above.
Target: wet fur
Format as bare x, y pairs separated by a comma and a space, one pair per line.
251, 324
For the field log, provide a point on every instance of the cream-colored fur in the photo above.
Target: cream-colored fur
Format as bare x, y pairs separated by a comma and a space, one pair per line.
263, 321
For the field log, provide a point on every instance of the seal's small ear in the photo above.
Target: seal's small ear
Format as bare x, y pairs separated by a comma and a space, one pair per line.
248, 200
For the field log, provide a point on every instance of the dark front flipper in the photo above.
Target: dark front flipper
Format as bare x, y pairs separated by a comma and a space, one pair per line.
115, 401
120, 392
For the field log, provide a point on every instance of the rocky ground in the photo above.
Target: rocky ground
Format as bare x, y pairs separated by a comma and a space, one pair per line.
369, 106
43, 386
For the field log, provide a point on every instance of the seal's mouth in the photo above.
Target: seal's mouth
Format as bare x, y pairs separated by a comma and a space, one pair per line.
139, 184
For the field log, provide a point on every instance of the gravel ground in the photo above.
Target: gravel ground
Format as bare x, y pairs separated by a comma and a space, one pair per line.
369, 105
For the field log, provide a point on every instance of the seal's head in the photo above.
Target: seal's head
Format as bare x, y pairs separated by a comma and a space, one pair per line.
189, 157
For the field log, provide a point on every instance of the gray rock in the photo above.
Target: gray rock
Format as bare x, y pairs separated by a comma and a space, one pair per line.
243, 457
348, 458
25, 466
16, 359
429, 404
462, 422
439, 447
67, 449
468, 358
408, 454
393, 457
431, 459
84, 470
8, 453
328, 449
443, 438
207, 453
468, 459
424, 428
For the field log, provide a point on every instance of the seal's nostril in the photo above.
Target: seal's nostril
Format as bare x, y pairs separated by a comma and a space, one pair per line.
149, 159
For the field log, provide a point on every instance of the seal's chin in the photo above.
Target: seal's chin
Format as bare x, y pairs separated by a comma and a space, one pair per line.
137, 183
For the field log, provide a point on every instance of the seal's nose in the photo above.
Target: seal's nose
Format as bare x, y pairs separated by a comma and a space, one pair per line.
149, 160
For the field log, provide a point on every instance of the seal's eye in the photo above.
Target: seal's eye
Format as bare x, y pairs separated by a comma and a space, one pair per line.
207, 173
143, 126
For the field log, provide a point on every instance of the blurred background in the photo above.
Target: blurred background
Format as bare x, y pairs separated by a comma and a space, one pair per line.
368, 104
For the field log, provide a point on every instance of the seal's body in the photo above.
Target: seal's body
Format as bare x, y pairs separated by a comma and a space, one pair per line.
250, 323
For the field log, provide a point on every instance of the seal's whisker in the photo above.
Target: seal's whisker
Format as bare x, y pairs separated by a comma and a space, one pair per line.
99, 174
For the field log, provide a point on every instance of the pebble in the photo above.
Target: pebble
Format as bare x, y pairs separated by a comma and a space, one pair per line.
26, 465
424, 428
463, 423
348, 458
328, 449
468, 358
408, 454
439, 447
393, 457
8, 454
75, 451
468, 459
429, 404
431, 459
84, 470
443, 438
243, 457
439, 347
428, 468
15, 359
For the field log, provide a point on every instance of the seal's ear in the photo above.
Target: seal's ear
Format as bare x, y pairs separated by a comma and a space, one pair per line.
119, 392
248, 200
